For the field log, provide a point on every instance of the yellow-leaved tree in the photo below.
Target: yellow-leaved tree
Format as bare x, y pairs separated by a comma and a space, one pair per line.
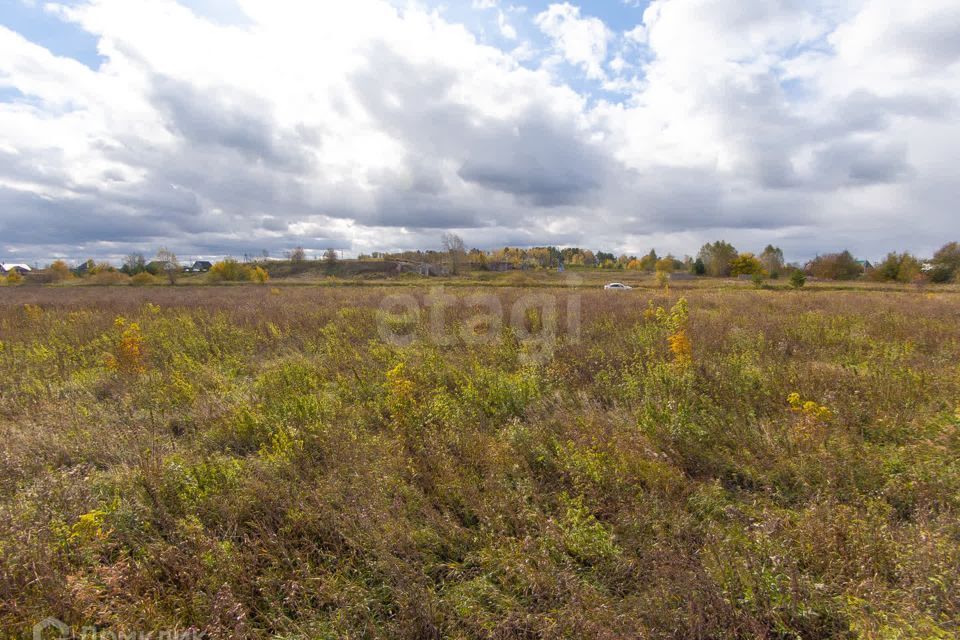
259, 275
746, 264
59, 271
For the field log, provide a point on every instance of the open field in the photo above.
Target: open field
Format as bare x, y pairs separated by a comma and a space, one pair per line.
296, 461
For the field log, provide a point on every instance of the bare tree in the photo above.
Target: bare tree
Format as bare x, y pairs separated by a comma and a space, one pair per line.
455, 249
330, 255
169, 263
134, 263
297, 254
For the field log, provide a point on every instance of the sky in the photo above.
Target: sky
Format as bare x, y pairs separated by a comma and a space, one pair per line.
232, 127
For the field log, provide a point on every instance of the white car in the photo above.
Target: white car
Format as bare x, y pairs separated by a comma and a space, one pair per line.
617, 286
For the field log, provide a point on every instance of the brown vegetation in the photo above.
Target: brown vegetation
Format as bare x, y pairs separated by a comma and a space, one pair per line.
259, 462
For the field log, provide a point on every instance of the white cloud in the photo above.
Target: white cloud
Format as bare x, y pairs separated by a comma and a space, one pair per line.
844, 140
638, 34
506, 29
581, 41
358, 111
366, 125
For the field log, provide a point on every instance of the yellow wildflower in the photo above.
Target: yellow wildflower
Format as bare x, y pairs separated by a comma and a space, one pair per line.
809, 407
681, 347
130, 351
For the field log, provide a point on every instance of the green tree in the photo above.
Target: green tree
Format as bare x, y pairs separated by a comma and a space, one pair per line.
603, 256
797, 279
718, 258
946, 263
772, 260
897, 267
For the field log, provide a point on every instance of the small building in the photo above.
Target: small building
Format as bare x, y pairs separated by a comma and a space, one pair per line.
426, 269
20, 268
422, 268
201, 266
159, 267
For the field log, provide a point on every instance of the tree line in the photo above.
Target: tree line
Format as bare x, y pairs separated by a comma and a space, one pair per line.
718, 259
721, 259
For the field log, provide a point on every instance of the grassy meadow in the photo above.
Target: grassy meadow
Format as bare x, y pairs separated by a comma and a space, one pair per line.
297, 462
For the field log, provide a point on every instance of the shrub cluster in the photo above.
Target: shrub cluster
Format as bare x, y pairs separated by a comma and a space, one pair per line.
231, 270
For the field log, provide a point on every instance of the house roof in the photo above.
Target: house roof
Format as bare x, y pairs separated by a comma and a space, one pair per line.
14, 265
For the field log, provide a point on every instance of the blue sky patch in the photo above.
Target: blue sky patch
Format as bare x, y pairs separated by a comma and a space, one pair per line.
61, 38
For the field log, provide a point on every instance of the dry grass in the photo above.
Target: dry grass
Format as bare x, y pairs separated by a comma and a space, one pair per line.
258, 462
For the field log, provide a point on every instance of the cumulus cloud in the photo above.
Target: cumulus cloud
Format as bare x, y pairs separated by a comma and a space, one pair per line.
507, 30
580, 40
261, 124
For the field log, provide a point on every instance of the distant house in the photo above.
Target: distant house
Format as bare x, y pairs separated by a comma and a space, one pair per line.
157, 267
20, 268
201, 266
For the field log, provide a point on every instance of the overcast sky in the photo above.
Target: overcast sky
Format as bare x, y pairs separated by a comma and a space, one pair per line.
222, 127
